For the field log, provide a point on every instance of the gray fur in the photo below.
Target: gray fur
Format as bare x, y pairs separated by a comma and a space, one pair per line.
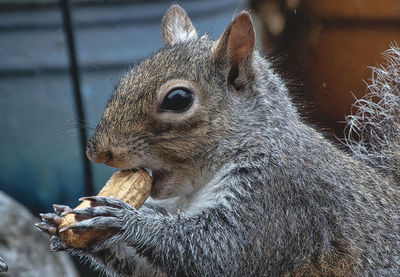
254, 191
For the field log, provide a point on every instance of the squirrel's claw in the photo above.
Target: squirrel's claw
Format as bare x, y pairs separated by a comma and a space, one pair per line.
49, 224
60, 209
3, 265
46, 228
51, 218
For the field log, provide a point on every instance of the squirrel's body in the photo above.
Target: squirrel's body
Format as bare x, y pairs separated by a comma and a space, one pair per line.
247, 189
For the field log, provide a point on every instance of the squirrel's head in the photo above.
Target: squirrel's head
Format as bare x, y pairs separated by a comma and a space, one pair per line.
171, 113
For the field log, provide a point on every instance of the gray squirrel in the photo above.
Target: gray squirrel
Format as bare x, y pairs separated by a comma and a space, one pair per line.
242, 187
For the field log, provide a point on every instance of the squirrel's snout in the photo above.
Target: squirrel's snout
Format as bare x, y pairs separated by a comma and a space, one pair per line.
98, 155
103, 155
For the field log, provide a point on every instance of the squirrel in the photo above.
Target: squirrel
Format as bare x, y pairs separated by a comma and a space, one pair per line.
241, 186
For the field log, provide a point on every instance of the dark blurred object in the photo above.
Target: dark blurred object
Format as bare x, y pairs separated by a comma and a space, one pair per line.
329, 44
76, 81
25, 249
3, 265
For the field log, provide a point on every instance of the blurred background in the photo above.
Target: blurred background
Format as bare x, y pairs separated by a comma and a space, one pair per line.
59, 62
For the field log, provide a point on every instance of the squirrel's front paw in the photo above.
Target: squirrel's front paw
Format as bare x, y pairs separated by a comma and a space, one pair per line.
96, 227
105, 215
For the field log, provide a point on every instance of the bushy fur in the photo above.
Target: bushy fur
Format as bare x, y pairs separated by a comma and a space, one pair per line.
374, 130
255, 191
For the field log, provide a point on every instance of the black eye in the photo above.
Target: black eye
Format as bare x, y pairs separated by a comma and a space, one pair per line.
177, 100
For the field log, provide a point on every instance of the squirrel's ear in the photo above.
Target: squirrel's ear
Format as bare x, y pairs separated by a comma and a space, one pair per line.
176, 26
236, 45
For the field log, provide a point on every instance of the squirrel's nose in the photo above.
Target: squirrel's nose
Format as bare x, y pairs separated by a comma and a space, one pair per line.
98, 156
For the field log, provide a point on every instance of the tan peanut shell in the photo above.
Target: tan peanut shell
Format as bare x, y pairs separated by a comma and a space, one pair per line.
132, 187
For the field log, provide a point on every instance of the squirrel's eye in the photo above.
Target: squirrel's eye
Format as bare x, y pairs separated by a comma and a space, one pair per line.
177, 100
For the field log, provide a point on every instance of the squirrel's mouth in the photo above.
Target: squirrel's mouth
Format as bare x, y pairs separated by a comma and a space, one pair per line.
160, 179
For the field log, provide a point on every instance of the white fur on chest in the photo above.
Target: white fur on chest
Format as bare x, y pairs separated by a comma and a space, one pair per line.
208, 196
